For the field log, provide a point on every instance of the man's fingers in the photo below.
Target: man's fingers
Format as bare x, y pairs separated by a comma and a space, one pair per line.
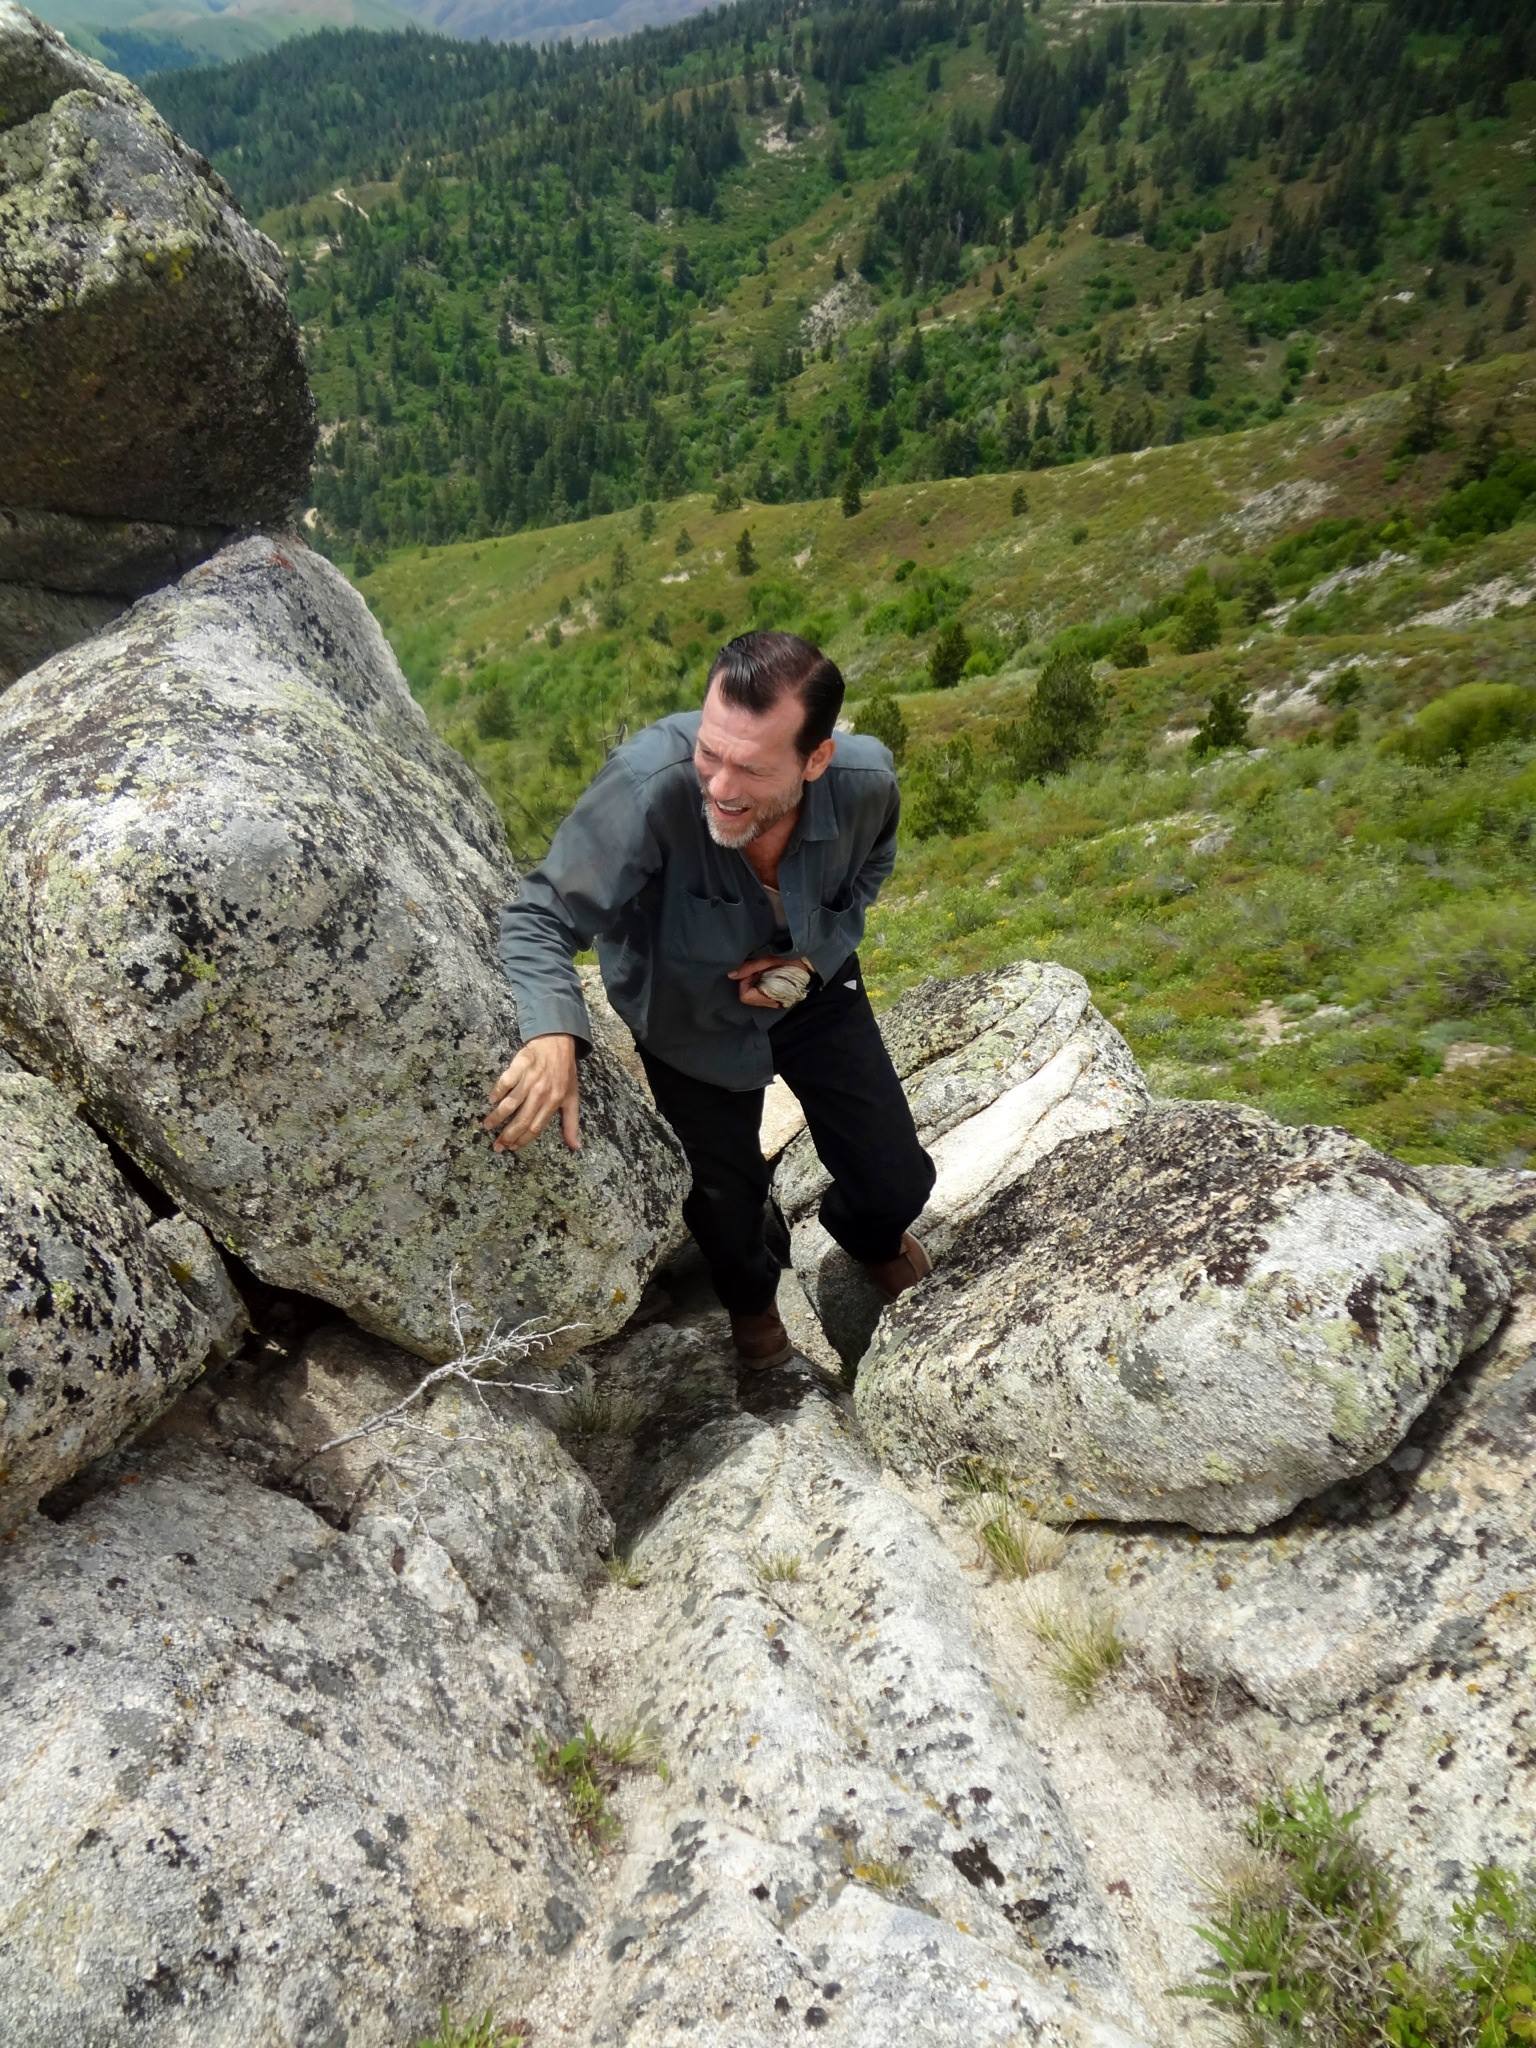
757, 966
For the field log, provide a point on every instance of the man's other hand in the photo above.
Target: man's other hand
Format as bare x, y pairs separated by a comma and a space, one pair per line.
749, 972
538, 1086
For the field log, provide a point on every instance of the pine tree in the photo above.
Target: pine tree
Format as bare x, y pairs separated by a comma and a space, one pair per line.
1061, 725
1427, 425
1518, 310
1200, 385
951, 651
852, 501
746, 561
1225, 723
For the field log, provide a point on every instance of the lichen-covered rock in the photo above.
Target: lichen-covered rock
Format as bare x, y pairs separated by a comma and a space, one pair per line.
251, 907
268, 1780
855, 1836
1383, 1637
149, 366
999, 1067
1202, 1317
105, 1312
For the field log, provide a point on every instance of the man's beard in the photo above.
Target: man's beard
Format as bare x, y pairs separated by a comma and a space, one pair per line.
769, 814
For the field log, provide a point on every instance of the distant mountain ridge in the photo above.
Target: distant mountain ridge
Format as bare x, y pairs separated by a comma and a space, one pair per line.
138, 39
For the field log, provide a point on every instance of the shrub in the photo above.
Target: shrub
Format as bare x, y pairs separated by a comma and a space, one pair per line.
951, 651
1471, 716
943, 791
1199, 624
1309, 1946
1130, 651
881, 716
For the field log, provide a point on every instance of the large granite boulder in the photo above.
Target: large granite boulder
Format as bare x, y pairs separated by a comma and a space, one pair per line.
270, 1775
999, 1067
151, 376
1202, 1317
105, 1310
251, 903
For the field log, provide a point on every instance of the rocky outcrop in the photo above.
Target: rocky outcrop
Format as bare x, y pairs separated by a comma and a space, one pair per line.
105, 1310
1204, 1317
857, 1836
999, 1068
151, 376
1383, 1636
252, 904
270, 1780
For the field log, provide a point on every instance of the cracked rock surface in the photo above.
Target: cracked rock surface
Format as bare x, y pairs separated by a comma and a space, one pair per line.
106, 1311
254, 915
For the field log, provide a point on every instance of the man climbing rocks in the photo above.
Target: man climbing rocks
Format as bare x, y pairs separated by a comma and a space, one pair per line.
723, 859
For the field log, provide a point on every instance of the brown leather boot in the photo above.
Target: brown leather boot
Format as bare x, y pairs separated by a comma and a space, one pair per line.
895, 1276
761, 1340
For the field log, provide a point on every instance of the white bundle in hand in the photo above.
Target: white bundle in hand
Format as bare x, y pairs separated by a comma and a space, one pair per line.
786, 984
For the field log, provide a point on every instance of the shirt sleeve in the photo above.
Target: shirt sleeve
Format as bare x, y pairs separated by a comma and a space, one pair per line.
598, 861
845, 933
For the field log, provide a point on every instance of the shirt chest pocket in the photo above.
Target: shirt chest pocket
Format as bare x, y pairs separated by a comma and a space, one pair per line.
707, 931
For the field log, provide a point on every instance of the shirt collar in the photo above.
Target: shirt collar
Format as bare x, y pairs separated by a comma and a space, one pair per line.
818, 811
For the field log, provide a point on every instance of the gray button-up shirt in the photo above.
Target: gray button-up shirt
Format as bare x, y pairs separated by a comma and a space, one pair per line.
633, 867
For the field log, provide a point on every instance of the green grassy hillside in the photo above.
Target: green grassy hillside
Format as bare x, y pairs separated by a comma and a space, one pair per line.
1334, 920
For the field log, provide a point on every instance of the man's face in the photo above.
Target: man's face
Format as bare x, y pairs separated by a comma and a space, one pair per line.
748, 766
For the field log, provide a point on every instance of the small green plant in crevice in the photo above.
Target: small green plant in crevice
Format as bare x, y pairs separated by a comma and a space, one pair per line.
777, 1568
623, 1573
1088, 1647
1016, 1546
881, 1873
597, 1411
485, 2032
1309, 1945
587, 1770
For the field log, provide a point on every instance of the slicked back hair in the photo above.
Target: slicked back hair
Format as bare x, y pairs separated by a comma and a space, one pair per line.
755, 670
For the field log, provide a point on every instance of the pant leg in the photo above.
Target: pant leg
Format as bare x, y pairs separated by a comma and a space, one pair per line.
727, 1208
830, 1052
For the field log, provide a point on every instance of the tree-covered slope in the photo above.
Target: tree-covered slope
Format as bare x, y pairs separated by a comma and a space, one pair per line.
787, 256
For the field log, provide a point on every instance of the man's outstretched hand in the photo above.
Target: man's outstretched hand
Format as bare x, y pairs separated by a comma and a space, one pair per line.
538, 1086
750, 972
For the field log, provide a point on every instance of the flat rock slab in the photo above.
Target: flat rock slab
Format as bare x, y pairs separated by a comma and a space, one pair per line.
149, 366
105, 1311
856, 1838
999, 1068
254, 902
1202, 1317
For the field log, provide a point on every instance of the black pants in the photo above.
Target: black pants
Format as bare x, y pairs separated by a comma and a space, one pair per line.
829, 1050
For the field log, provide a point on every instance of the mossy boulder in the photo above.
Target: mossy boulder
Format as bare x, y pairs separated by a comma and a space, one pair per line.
251, 918
1202, 1317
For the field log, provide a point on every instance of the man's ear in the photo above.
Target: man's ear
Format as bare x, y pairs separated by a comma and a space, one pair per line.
819, 760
